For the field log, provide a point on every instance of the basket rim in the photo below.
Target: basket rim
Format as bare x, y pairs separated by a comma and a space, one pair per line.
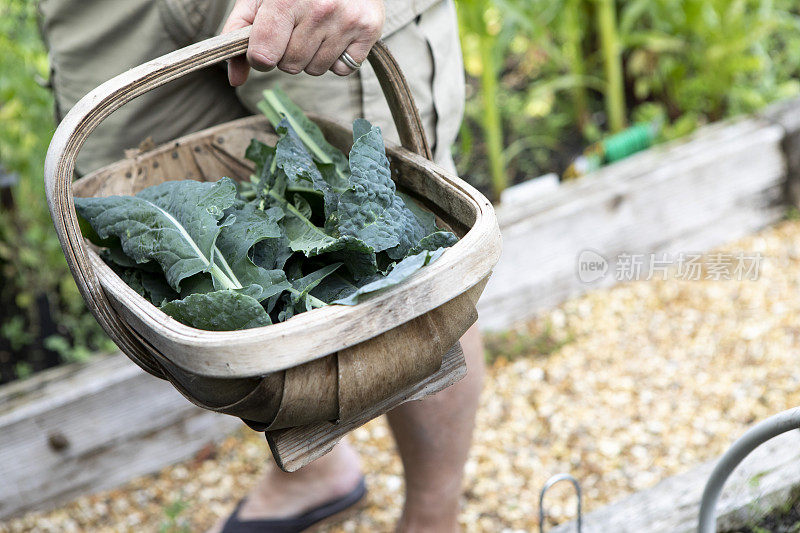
205, 353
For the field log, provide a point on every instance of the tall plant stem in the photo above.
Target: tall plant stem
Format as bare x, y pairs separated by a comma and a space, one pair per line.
492, 127
574, 54
612, 63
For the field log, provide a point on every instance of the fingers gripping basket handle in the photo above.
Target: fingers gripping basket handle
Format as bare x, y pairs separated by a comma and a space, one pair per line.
92, 109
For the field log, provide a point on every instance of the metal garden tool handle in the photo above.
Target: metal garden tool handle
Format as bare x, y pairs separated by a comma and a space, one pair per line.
547, 486
753, 438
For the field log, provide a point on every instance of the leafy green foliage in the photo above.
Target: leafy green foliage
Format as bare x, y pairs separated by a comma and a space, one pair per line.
215, 261
174, 223
398, 273
179, 225
278, 107
709, 57
684, 63
487, 44
223, 310
370, 210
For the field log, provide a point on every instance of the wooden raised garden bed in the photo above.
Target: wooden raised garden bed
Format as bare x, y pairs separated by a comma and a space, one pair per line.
723, 182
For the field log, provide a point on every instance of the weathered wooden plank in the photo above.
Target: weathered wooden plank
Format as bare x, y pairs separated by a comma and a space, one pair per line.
84, 428
725, 182
763, 481
787, 115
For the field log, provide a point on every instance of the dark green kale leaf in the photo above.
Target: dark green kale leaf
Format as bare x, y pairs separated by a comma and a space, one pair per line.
277, 106
223, 310
302, 233
334, 287
434, 241
399, 273
302, 174
115, 257
272, 254
370, 210
299, 299
244, 228
263, 155
218, 260
174, 223
152, 286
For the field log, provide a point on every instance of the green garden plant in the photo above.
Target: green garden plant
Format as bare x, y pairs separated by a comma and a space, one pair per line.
478, 21
569, 72
541, 87
710, 58
573, 19
612, 64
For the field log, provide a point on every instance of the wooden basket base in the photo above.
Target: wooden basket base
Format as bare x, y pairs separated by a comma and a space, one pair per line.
293, 448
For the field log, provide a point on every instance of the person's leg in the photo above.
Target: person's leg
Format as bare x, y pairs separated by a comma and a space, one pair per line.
279, 494
434, 436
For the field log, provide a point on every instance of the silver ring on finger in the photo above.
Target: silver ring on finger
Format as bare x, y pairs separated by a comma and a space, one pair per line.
348, 60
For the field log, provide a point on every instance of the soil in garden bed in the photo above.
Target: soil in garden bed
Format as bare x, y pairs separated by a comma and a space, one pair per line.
25, 352
473, 164
783, 519
779, 522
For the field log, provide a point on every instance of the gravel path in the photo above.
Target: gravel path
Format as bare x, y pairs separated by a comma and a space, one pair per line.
622, 388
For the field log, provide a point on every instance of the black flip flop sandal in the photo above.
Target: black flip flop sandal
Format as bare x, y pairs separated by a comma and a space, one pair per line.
294, 524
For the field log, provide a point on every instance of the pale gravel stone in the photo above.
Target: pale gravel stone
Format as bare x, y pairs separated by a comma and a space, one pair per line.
658, 377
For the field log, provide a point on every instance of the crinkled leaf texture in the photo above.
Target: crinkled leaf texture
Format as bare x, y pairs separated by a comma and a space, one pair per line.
434, 241
246, 227
301, 172
303, 234
371, 210
277, 106
223, 310
310, 228
177, 224
366, 218
198, 251
398, 274
174, 223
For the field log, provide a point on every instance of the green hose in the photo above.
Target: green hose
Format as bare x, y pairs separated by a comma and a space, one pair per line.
614, 148
628, 142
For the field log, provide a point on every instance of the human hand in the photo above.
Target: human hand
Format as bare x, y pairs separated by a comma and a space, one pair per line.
304, 35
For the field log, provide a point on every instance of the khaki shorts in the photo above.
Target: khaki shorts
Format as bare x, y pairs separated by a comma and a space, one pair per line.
91, 41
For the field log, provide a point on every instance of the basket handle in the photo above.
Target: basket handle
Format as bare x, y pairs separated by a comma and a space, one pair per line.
93, 108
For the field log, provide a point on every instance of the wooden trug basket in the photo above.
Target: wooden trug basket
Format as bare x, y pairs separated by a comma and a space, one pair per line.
307, 381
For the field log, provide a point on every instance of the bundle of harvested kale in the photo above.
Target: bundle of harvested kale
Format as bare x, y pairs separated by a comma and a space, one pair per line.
310, 229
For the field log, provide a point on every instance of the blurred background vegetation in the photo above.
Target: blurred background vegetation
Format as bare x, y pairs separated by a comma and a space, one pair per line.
549, 77
43, 319
546, 78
